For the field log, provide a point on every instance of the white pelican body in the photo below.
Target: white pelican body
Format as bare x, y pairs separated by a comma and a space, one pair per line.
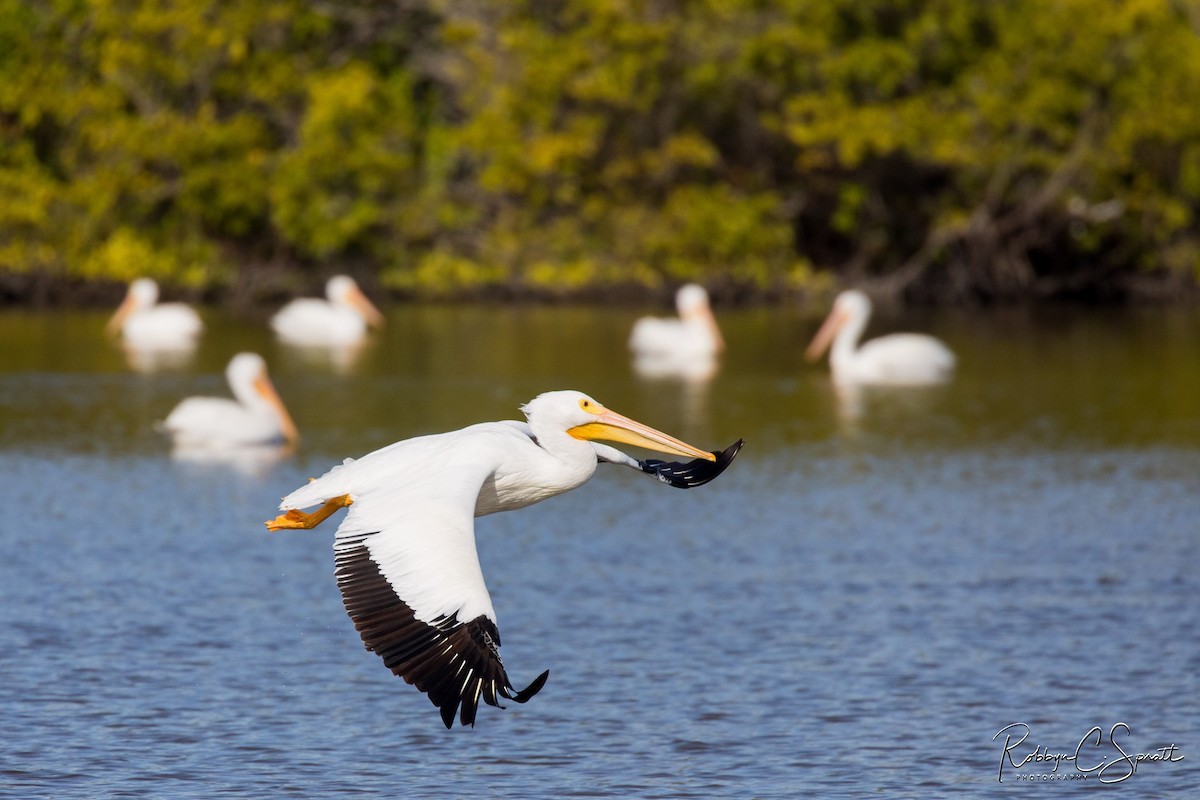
338, 321
255, 416
910, 359
405, 553
148, 325
694, 335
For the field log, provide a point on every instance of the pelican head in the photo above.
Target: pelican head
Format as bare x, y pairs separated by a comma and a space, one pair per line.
141, 294
691, 302
341, 290
582, 417
851, 306
247, 376
690, 299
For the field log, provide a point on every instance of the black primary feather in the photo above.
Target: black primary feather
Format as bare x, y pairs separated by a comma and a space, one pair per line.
693, 473
455, 663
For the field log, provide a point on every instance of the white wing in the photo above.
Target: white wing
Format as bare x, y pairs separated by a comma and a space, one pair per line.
672, 338
905, 358
219, 422
165, 326
309, 321
408, 570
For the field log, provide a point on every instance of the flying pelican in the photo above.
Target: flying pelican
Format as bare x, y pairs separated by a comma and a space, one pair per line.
256, 415
405, 556
340, 320
694, 335
897, 359
145, 324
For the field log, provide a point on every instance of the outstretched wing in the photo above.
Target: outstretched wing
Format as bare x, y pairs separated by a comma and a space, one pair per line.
454, 660
409, 573
685, 475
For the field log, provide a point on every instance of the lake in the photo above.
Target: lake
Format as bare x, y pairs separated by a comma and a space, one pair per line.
877, 588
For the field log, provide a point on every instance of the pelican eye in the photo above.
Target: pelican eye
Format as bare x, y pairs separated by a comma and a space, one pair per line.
589, 406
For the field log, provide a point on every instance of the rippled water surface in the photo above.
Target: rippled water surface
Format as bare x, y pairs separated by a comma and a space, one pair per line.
876, 587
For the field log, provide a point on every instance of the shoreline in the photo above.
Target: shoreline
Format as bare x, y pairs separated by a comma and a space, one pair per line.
46, 291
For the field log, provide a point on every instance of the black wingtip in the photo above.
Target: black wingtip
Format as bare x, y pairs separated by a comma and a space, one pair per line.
469, 707
532, 689
693, 473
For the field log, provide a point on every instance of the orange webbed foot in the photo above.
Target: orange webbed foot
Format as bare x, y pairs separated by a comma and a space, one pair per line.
295, 519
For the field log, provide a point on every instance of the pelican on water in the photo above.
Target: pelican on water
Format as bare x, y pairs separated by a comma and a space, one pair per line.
144, 323
405, 557
896, 359
693, 335
337, 321
255, 416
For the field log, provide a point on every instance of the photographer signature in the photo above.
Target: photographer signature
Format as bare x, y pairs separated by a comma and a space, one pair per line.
1112, 767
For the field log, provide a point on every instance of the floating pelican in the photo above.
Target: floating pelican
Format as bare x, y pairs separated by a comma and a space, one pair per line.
405, 556
340, 320
694, 335
896, 359
144, 324
256, 415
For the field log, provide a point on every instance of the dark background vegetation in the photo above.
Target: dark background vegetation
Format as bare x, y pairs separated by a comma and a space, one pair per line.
935, 151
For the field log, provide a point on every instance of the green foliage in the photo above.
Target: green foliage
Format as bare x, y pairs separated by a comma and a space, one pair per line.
1036, 142
937, 147
352, 166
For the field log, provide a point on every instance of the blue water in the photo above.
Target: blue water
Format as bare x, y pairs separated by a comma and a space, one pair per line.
157, 642
851, 610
